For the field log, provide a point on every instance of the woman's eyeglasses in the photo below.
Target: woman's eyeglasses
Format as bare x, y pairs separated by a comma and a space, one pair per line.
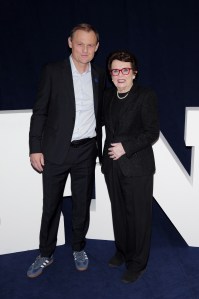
124, 71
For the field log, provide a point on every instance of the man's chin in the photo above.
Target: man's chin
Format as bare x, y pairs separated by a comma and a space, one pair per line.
85, 61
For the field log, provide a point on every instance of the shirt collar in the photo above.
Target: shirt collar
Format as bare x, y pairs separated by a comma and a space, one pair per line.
74, 69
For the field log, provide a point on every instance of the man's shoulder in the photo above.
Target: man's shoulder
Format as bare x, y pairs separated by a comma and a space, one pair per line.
142, 87
56, 65
98, 68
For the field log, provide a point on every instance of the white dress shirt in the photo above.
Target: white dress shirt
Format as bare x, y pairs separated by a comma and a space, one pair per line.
85, 122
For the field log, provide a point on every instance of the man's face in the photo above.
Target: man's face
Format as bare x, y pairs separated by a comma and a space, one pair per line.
84, 45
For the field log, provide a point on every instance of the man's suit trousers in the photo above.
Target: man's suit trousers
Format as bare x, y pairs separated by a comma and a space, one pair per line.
80, 164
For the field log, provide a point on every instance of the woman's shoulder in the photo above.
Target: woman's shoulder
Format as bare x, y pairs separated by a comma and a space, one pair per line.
108, 95
109, 91
145, 90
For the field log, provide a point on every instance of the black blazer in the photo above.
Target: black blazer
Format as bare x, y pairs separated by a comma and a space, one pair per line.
53, 117
137, 129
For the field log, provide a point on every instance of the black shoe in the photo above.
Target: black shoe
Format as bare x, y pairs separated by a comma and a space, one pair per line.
131, 276
117, 260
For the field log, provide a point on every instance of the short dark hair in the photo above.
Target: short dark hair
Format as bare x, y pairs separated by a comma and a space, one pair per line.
85, 27
125, 56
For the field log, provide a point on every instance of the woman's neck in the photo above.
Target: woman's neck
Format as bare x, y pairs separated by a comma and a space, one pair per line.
124, 89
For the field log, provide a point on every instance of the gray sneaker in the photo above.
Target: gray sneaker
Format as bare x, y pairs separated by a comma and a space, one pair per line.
37, 267
81, 260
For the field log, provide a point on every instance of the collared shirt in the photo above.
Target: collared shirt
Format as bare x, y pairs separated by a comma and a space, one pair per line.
85, 122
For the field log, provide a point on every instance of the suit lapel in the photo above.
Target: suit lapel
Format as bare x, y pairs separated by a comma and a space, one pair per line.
95, 82
68, 86
112, 96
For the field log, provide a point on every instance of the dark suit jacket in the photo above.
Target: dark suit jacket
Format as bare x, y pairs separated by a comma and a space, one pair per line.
137, 129
53, 117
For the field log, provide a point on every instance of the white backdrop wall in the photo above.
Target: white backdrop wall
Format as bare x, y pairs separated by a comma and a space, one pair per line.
20, 187
21, 190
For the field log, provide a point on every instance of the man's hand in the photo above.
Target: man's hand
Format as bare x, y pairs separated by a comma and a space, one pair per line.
116, 151
37, 161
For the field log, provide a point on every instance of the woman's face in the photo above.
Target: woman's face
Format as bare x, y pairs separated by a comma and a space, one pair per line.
123, 81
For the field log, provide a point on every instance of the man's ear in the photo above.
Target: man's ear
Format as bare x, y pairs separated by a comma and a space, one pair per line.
69, 42
97, 46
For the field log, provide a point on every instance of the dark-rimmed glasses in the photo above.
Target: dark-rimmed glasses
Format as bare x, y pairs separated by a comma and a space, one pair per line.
124, 71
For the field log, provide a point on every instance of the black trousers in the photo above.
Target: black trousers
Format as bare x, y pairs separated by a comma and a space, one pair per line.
80, 163
131, 203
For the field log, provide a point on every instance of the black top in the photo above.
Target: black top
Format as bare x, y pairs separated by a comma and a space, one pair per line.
133, 121
116, 109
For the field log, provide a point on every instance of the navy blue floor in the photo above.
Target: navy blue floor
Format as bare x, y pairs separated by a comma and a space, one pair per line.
172, 272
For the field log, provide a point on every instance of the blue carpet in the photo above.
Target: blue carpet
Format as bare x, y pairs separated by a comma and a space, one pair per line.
172, 272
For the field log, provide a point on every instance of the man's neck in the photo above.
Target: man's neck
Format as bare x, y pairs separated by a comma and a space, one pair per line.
81, 67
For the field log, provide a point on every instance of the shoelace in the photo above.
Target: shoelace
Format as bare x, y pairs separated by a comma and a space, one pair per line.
80, 255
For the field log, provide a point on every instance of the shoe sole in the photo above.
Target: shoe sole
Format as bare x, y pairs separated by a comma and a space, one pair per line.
39, 273
81, 270
133, 280
115, 266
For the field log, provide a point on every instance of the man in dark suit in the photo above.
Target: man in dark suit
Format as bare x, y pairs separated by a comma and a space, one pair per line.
65, 138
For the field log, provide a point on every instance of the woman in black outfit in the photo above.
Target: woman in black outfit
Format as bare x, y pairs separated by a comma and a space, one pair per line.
132, 126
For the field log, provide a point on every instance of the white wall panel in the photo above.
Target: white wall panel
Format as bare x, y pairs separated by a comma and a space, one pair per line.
21, 189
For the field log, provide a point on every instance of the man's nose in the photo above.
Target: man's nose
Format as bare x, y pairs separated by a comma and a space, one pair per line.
85, 48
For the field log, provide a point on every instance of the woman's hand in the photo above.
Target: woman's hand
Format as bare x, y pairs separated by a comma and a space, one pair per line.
116, 151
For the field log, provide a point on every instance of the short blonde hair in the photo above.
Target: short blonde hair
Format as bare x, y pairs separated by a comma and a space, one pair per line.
85, 27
